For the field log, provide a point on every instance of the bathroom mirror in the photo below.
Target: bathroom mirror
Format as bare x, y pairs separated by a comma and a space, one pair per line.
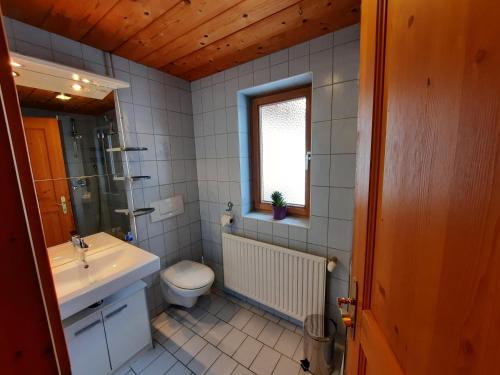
74, 147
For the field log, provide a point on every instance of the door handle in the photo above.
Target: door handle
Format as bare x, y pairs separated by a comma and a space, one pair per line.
116, 311
86, 328
63, 204
348, 315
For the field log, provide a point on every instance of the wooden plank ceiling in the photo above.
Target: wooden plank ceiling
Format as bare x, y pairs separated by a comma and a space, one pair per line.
30, 97
190, 39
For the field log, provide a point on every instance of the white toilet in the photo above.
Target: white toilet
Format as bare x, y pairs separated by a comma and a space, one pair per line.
185, 281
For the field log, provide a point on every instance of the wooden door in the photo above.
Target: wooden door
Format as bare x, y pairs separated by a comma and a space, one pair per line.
32, 338
47, 164
427, 222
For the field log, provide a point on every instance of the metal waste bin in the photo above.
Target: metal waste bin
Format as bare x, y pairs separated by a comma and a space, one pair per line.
319, 340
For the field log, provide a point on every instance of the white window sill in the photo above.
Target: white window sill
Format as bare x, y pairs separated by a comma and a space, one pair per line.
302, 222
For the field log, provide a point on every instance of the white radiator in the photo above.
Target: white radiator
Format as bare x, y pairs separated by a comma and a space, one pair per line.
286, 280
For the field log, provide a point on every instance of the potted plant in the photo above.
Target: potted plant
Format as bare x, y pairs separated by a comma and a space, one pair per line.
279, 206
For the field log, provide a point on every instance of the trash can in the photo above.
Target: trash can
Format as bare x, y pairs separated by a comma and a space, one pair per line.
319, 340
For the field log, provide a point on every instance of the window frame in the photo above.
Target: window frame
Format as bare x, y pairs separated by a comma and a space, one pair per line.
256, 102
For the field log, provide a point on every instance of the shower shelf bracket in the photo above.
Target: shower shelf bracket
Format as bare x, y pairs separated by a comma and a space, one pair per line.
120, 149
137, 212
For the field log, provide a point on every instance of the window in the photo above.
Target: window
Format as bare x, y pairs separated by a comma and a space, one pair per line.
281, 144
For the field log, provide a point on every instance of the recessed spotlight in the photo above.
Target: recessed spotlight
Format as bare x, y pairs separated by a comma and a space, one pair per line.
13, 63
76, 87
15, 74
63, 96
76, 77
85, 80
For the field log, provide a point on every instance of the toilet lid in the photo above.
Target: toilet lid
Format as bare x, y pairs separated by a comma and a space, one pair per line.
187, 274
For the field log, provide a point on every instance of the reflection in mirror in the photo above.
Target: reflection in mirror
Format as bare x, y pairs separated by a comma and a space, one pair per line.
78, 177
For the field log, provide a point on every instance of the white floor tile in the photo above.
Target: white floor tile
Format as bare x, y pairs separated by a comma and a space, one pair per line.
270, 334
266, 361
167, 329
241, 318
240, 370
186, 353
228, 311
180, 338
192, 316
257, 310
286, 366
160, 365
299, 352
271, 317
287, 343
223, 366
211, 303
159, 320
218, 332
177, 313
205, 324
232, 341
247, 351
255, 326
286, 324
204, 359
147, 356
179, 369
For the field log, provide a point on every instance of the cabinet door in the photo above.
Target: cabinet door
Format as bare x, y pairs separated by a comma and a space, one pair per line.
127, 328
87, 346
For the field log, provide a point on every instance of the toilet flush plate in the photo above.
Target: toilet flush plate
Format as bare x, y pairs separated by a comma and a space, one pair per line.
167, 208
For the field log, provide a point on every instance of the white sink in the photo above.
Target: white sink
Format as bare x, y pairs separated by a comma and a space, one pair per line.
114, 266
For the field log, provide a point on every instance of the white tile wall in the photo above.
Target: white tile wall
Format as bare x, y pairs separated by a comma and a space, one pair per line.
157, 113
334, 60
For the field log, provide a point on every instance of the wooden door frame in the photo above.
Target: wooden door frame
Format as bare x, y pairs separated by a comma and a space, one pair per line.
369, 164
29, 243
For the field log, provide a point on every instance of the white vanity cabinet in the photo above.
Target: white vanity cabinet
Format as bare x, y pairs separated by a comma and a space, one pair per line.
102, 338
127, 328
86, 341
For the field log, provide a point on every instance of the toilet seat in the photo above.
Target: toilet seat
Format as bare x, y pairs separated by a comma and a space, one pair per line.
188, 275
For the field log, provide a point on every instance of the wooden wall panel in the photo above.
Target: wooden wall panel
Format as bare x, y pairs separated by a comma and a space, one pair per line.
32, 339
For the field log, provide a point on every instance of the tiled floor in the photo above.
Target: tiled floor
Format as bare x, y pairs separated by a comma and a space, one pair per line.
221, 335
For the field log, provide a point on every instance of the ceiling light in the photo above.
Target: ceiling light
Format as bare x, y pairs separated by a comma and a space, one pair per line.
85, 80
15, 74
76, 77
76, 87
63, 96
13, 63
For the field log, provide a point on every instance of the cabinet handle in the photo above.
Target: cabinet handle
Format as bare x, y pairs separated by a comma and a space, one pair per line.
93, 324
116, 311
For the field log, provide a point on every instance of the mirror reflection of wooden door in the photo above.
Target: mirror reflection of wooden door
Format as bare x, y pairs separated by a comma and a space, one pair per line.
426, 254
47, 163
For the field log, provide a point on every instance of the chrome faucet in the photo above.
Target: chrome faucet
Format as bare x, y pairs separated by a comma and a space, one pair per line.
81, 247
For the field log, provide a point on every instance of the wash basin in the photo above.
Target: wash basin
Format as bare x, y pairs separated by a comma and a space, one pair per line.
115, 266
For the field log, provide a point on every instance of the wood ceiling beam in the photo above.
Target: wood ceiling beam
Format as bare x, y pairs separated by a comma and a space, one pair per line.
124, 20
182, 18
237, 18
308, 19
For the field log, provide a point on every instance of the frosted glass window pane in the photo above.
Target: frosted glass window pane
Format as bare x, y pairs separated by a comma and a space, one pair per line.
283, 149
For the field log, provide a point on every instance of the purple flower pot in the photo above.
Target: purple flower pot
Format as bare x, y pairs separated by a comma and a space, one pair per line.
279, 213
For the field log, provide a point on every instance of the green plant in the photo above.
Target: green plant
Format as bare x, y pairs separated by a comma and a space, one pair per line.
278, 200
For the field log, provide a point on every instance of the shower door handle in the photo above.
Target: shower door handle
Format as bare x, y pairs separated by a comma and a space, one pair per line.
63, 204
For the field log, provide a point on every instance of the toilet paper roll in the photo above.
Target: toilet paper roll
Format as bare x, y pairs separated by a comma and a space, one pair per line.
226, 219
